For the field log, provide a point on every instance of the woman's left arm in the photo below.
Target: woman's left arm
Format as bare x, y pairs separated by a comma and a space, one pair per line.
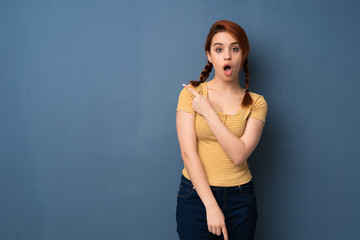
238, 149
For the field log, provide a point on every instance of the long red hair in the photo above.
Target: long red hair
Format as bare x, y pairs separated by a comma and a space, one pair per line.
240, 35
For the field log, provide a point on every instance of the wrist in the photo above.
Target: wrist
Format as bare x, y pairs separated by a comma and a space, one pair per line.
211, 205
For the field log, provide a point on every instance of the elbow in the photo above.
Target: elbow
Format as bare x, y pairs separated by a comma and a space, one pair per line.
188, 155
240, 159
240, 156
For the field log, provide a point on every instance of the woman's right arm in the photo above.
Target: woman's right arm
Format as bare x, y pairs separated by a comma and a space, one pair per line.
185, 126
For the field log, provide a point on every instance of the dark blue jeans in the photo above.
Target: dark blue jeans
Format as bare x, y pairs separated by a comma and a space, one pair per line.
237, 203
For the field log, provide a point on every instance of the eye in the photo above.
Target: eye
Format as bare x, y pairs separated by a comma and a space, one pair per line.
235, 49
218, 50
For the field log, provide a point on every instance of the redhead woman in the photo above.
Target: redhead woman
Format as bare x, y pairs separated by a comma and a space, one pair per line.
219, 124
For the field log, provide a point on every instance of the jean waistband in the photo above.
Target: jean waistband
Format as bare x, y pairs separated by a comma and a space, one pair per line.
188, 182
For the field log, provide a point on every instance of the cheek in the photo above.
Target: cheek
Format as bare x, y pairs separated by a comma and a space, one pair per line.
238, 68
218, 67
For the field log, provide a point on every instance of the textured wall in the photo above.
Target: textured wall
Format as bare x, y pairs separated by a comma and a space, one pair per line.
88, 93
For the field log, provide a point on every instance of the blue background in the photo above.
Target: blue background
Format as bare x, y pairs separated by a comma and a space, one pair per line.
88, 93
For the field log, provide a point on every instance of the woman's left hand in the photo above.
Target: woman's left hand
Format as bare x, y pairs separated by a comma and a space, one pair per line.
200, 102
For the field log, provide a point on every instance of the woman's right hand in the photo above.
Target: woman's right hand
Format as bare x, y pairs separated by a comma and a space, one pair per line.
216, 221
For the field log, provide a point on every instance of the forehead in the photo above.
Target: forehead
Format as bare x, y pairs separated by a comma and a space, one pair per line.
223, 37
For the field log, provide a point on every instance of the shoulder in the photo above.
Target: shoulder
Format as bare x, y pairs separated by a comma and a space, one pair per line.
257, 98
259, 107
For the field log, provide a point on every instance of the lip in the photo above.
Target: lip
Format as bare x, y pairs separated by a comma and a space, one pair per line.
228, 73
227, 64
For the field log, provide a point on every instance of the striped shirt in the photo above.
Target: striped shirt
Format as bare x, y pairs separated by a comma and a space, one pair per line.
219, 168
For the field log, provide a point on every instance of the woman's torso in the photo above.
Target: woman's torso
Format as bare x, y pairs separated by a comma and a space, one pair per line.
219, 168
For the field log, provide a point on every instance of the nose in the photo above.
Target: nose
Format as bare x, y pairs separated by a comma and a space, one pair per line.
227, 55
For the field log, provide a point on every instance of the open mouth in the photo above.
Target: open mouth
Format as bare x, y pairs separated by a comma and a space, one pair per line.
227, 69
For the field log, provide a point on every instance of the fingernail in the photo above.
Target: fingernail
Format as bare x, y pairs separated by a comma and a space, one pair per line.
183, 84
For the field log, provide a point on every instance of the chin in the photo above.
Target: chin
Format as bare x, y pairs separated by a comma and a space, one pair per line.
229, 78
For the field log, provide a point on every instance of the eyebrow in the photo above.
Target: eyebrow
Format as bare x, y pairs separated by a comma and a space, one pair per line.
222, 44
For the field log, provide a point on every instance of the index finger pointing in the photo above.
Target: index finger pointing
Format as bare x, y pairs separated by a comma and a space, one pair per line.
191, 90
225, 233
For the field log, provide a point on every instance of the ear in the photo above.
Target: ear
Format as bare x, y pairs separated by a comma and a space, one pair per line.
208, 56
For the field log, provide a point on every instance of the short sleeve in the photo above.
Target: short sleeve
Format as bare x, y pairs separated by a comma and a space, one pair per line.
259, 109
185, 101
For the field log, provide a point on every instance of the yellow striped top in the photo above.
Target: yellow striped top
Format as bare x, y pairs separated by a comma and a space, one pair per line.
219, 168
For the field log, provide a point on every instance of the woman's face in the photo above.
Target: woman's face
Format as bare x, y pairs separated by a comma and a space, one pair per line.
225, 55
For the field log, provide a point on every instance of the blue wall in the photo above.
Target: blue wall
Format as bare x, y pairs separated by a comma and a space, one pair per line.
88, 92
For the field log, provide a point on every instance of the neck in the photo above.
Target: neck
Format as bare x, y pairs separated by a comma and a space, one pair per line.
226, 86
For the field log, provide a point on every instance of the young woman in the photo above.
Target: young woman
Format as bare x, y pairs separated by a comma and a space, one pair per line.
219, 124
